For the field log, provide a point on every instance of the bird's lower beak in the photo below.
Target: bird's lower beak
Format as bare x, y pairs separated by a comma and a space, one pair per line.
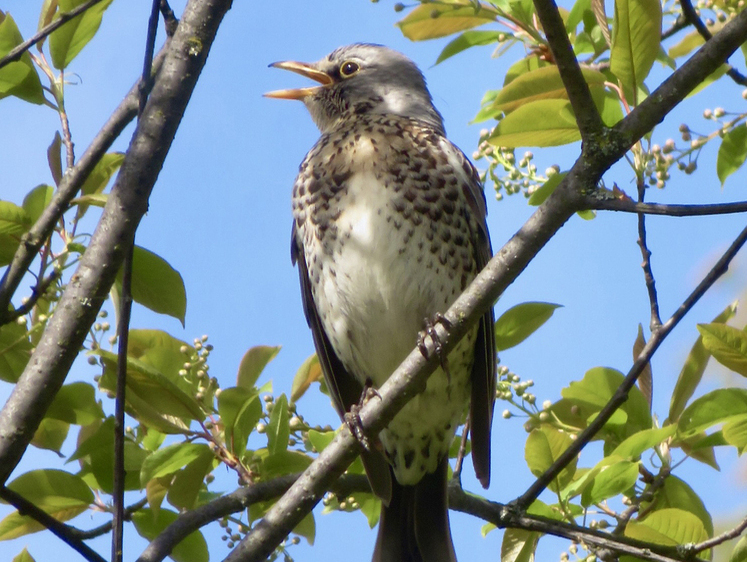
304, 69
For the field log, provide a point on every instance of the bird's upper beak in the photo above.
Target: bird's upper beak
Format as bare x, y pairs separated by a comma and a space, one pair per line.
304, 69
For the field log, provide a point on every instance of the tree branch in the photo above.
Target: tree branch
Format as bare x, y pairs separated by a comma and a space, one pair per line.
60, 530
648, 273
621, 394
692, 17
17, 52
37, 292
717, 540
587, 117
593, 201
33, 240
126, 205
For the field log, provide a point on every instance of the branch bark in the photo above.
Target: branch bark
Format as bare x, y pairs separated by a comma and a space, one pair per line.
127, 203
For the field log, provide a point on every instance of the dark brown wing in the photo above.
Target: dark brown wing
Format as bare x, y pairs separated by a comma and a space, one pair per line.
484, 368
343, 387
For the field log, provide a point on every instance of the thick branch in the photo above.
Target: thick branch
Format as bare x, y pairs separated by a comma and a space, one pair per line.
621, 394
17, 52
587, 117
60, 530
71, 182
127, 203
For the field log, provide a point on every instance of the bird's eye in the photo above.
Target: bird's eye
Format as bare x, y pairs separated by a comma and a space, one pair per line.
348, 68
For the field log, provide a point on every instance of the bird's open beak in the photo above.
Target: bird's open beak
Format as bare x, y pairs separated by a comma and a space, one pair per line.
304, 69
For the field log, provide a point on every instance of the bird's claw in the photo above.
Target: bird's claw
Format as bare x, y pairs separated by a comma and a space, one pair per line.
432, 333
353, 420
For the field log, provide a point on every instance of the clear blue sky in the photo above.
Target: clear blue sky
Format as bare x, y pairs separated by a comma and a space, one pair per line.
220, 214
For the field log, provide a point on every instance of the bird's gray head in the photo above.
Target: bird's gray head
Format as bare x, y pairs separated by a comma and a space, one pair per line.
362, 79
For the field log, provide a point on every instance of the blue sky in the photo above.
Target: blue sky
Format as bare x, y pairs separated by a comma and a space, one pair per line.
220, 214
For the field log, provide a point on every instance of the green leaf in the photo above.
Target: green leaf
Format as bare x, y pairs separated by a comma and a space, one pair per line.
14, 222
539, 84
278, 430
253, 363
610, 481
37, 200
54, 157
543, 447
727, 345
67, 41
98, 179
636, 33
469, 39
309, 371
50, 434
715, 407
23, 556
156, 285
668, 527
306, 528
320, 439
284, 462
76, 403
240, 410
739, 554
51, 489
188, 482
520, 321
15, 351
170, 459
735, 433
636, 444
519, 545
693, 369
597, 388
420, 24
645, 379
546, 189
687, 44
149, 525
540, 123
678, 494
732, 152
523, 66
17, 78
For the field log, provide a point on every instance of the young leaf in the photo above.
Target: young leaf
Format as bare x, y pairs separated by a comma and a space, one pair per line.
693, 369
636, 33
636, 444
520, 321
37, 200
67, 41
540, 123
735, 433
50, 434
15, 351
727, 344
240, 410
739, 554
715, 407
149, 525
609, 482
543, 447
156, 285
420, 24
669, 527
54, 158
278, 430
545, 190
97, 180
253, 363
469, 39
76, 403
678, 494
24, 556
53, 489
189, 481
519, 545
284, 462
14, 221
170, 459
18, 78
645, 380
732, 152
309, 371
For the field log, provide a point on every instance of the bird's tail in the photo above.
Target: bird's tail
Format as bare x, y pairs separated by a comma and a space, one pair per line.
415, 525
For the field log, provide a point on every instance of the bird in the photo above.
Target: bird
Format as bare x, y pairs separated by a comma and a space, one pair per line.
389, 228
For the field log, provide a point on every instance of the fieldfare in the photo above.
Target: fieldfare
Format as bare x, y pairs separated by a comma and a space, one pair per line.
389, 228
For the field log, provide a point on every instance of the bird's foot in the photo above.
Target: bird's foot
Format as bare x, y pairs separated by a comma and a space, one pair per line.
353, 420
431, 332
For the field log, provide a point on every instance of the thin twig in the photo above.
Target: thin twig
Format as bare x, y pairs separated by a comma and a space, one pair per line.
36, 293
717, 540
123, 331
679, 24
107, 527
594, 202
640, 363
146, 80
646, 263
60, 530
16, 53
692, 17
169, 19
